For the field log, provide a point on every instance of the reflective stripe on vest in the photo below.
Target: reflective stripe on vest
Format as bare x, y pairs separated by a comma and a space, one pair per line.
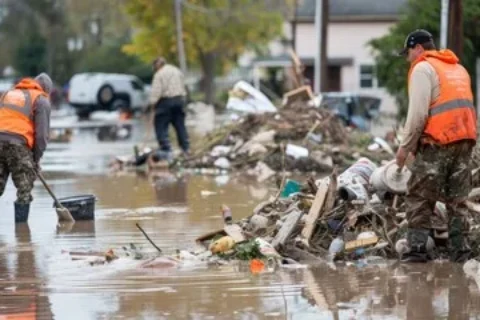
450, 105
26, 110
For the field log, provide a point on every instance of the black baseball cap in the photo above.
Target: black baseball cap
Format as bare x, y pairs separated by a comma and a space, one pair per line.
419, 36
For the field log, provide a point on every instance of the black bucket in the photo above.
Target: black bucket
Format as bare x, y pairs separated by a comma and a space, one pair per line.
81, 207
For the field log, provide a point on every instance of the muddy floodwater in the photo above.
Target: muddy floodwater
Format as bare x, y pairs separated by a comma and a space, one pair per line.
38, 280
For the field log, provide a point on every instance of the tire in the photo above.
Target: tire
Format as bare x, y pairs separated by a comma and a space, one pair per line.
105, 95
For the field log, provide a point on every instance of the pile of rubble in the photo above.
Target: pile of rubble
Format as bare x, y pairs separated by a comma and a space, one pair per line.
357, 214
297, 138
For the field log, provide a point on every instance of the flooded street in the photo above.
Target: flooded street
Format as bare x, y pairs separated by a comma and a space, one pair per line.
39, 281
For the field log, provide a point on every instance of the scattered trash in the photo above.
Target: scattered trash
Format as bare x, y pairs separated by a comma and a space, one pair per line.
222, 245
227, 214
206, 193
296, 151
261, 171
222, 163
257, 266
311, 222
245, 98
291, 186
315, 139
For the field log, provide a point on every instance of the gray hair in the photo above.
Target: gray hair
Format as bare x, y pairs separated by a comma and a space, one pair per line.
159, 61
45, 82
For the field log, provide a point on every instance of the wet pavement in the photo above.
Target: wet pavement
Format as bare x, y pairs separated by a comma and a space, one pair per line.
39, 281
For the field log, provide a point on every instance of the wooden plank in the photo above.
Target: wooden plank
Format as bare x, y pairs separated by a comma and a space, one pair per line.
305, 93
332, 192
235, 231
210, 235
315, 210
287, 229
355, 244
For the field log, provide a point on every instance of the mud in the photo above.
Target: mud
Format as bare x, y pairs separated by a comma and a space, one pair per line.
38, 281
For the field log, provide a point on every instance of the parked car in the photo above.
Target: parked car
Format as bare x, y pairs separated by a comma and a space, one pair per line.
354, 110
90, 92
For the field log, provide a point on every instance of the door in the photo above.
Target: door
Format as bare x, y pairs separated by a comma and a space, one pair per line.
334, 79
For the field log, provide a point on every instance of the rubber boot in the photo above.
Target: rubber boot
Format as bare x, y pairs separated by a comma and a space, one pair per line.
458, 247
21, 212
417, 242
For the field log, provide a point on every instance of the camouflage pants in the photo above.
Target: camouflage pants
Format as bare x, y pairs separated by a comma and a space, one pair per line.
440, 173
17, 160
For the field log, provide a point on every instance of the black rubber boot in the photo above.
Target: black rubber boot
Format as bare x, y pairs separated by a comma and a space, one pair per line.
417, 241
458, 247
21, 212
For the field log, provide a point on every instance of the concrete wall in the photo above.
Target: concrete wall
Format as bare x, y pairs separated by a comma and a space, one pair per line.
348, 40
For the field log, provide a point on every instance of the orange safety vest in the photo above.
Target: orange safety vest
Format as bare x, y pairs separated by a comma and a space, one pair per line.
17, 109
452, 116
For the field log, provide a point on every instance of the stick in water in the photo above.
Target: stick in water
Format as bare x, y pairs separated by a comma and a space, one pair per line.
148, 238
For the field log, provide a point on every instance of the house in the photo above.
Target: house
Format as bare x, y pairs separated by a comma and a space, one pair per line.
352, 24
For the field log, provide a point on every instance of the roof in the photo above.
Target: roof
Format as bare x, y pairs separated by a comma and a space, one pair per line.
361, 10
286, 61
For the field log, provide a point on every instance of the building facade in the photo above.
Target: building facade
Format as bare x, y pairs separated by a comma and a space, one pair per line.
352, 25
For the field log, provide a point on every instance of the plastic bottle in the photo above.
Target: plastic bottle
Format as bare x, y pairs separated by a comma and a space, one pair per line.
227, 215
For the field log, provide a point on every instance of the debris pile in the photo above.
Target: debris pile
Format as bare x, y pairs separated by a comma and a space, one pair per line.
299, 137
357, 214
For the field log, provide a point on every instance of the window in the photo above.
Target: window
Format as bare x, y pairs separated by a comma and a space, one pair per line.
367, 76
137, 85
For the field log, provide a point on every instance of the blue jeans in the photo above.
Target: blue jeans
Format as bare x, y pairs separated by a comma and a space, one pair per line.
171, 111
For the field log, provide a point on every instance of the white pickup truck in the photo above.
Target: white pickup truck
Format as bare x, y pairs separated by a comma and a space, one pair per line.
90, 92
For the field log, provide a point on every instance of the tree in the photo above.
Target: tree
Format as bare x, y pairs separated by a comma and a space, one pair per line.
215, 32
109, 58
30, 56
392, 70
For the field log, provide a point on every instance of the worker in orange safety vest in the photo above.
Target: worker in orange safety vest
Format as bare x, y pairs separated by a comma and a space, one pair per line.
24, 132
440, 131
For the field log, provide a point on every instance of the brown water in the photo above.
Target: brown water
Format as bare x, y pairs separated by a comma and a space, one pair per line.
39, 281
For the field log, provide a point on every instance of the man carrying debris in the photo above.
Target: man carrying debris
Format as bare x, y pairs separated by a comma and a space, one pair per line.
440, 131
24, 133
168, 100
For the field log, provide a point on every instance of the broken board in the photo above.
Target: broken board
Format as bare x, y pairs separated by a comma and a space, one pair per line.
355, 244
315, 210
287, 228
233, 230
303, 93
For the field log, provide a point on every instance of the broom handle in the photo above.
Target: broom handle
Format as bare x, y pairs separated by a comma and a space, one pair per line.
39, 175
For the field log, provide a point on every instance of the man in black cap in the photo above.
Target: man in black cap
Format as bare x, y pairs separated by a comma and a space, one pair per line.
440, 131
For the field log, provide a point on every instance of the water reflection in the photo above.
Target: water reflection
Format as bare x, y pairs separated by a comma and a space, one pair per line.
431, 291
21, 295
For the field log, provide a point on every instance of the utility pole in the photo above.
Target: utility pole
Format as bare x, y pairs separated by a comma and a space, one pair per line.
180, 44
324, 57
294, 26
455, 37
318, 53
444, 25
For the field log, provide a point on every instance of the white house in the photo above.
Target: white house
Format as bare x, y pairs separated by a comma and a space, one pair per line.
352, 24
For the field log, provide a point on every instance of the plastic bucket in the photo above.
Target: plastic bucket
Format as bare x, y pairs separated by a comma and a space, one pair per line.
81, 207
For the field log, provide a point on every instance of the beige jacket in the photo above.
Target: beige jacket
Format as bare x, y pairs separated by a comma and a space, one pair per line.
167, 82
424, 87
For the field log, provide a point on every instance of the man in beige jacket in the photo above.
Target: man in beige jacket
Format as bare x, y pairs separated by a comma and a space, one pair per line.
440, 131
168, 98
